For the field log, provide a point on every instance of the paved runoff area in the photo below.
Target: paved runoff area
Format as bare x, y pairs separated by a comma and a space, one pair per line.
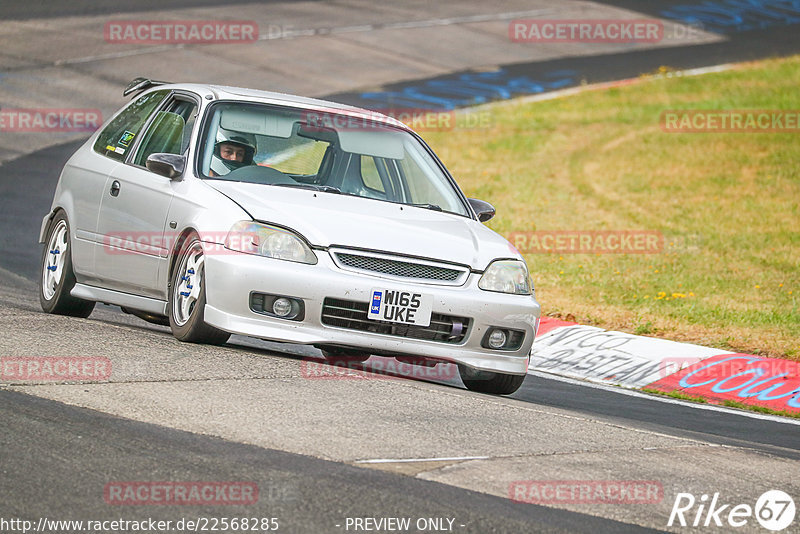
430, 430
77, 62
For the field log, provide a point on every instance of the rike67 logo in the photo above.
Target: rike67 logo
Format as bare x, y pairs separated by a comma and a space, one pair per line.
774, 510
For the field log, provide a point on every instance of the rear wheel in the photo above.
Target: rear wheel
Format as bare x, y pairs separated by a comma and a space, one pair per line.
187, 297
58, 279
489, 382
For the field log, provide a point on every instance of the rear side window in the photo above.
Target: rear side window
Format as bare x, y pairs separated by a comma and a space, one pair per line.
116, 138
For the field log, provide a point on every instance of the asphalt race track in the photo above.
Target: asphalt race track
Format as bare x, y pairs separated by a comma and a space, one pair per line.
763, 37
322, 451
52, 442
37, 170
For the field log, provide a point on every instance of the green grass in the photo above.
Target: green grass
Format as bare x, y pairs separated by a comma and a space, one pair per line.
760, 409
675, 395
729, 403
728, 205
644, 329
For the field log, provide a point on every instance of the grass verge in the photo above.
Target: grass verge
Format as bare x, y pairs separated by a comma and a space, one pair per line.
728, 205
675, 395
728, 403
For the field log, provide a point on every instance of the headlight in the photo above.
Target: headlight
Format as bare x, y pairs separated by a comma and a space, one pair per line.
506, 276
264, 240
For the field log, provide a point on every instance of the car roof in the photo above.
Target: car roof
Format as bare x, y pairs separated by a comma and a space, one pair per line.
223, 92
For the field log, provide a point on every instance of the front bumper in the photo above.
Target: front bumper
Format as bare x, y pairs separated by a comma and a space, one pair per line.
231, 277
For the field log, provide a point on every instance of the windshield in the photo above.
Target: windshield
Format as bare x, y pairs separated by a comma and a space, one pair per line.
323, 151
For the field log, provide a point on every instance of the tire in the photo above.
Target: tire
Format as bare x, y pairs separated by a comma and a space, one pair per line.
57, 277
489, 382
344, 357
187, 297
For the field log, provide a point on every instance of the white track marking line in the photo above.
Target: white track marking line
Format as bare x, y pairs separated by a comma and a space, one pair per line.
117, 55
317, 31
411, 460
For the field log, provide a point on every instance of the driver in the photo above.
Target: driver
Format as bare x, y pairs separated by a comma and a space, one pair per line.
232, 151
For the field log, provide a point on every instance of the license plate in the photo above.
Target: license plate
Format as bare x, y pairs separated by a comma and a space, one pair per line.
404, 307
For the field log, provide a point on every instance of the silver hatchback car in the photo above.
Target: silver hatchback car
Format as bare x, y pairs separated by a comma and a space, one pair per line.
219, 210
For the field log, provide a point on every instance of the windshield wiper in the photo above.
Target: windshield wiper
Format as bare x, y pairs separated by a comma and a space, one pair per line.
433, 207
313, 187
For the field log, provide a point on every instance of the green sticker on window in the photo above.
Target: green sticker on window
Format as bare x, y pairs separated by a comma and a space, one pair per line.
126, 138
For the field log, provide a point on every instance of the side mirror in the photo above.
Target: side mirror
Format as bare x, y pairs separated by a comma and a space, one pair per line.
169, 165
483, 209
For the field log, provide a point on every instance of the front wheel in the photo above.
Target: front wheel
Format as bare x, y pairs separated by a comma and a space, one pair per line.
58, 278
489, 382
187, 297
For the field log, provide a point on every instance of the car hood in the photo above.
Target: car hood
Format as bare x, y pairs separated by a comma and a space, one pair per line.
329, 220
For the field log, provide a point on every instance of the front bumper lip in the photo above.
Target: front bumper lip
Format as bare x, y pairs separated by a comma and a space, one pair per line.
231, 277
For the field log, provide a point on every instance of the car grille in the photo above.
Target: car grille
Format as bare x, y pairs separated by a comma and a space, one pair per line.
353, 315
399, 268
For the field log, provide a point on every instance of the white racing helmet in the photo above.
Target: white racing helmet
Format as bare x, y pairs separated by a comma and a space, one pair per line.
222, 166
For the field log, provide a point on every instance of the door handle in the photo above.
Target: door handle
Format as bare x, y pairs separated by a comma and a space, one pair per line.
115, 188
